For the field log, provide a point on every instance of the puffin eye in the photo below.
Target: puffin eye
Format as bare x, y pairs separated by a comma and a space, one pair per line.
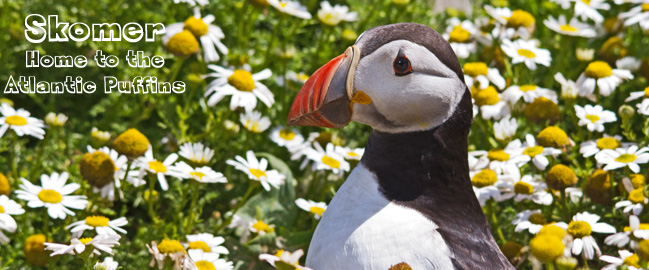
401, 64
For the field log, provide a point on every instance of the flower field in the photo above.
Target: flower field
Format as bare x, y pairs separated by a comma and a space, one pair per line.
212, 178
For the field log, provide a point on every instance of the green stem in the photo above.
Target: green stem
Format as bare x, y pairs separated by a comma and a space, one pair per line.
271, 43
152, 181
192, 205
549, 266
564, 203
39, 155
12, 155
243, 200
494, 221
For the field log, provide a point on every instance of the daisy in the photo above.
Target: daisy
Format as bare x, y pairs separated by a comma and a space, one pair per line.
197, 153
490, 104
573, 28
55, 120
328, 159
101, 224
244, 87
254, 121
101, 242
632, 234
628, 259
565, 4
593, 147
638, 14
167, 248
8, 208
486, 185
350, 154
537, 153
643, 107
285, 136
594, 117
20, 122
588, 9
284, 257
599, 73
257, 170
629, 62
260, 227
193, 2
149, 164
206, 242
461, 37
621, 157
53, 194
505, 128
315, 208
480, 73
523, 51
209, 35
635, 203
107, 264
200, 260
292, 8
511, 23
201, 174
581, 227
121, 164
638, 94
530, 220
334, 15
528, 188
529, 93
478, 160
569, 89
508, 161
575, 194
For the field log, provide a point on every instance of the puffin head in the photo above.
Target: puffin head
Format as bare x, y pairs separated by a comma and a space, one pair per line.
396, 78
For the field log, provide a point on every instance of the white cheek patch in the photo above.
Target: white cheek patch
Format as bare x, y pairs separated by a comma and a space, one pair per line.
418, 101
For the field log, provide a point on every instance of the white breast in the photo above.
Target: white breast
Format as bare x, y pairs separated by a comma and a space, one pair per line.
363, 230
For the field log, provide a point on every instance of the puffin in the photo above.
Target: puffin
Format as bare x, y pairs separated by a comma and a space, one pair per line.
410, 199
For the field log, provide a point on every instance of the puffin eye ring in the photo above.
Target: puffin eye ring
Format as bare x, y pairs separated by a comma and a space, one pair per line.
401, 64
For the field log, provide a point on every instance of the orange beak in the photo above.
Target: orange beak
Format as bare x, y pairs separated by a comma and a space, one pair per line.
324, 100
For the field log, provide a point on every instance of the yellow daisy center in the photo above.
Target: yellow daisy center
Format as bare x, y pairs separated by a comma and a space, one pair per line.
331, 162
283, 4
633, 260
593, 118
561, 176
279, 253
2, 209
528, 87
16, 120
475, 69
242, 80
254, 126
459, 35
329, 19
552, 229
568, 28
533, 151
523, 188
97, 221
352, 154
183, 43
546, 247
131, 143
196, 26
542, 108
487, 96
537, 219
646, 92
205, 265
587, 2
317, 210
608, 143
50, 196
637, 196
257, 173
643, 226
199, 245
626, 158
645, 7
526, 53
498, 155
552, 137
167, 246
484, 178
637, 180
198, 175
579, 229
520, 18
287, 134
157, 166
598, 70
85, 240
262, 226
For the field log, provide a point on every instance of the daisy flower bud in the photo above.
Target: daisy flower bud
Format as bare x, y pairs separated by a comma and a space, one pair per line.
97, 168
552, 137
99, 137
566, 263
585, 54
55, 120
34, 250
542, 109
643, 249
561, 176
626, 112
546, 247
349, 35
401, 266
598, 187
511, 249
131, 143
5, 187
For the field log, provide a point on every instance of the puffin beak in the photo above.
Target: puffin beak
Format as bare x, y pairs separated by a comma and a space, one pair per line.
325, 98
